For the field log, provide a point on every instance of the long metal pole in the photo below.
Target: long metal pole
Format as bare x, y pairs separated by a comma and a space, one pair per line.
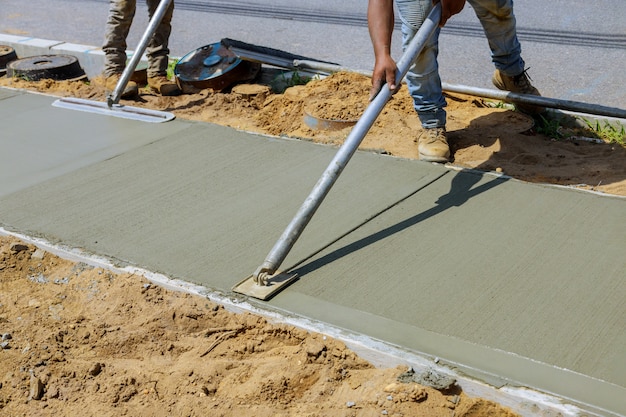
555, 103
541, 101
311, 204
115, 96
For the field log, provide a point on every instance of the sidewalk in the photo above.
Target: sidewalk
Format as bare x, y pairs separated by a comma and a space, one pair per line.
514, 284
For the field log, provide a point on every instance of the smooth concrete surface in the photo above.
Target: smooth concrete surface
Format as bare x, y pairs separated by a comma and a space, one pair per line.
519, 283
39, 142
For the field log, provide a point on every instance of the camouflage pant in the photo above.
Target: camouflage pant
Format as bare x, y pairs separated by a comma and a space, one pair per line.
121, 14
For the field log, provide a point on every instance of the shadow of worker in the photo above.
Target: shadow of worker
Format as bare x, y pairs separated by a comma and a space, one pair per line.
465, 184
492, 137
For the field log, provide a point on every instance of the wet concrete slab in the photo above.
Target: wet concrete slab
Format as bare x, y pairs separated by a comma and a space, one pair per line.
518, 281
39, 141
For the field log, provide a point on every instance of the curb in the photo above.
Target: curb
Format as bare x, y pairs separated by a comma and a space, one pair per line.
90, 58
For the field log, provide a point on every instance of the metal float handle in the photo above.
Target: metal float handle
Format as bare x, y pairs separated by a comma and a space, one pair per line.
293, 231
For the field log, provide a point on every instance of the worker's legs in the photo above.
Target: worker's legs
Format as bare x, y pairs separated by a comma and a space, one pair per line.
423, 78
499, 25
121, 13
498, 21
424, 83
157, 49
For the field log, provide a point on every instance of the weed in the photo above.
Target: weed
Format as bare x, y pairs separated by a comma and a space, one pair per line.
498, 105
23, 77
295, 79
551, 128
170, 67
611, 133
288, 79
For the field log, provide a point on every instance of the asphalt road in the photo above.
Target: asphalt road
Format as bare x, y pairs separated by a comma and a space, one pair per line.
575, 49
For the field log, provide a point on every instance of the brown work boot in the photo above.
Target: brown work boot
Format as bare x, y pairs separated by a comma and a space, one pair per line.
161, 85
130, 91
433, 146
518, 84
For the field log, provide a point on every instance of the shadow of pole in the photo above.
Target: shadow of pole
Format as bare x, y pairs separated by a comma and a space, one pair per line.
461, 190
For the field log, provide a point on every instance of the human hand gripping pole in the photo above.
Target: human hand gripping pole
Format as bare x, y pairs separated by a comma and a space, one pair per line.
263, 278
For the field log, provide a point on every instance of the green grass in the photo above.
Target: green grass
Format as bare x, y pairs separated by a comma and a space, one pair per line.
498, 104
605, 132
288, 79
609, 132
549, 127
170, 67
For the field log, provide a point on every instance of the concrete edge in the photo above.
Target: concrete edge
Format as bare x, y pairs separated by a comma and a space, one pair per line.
523, 400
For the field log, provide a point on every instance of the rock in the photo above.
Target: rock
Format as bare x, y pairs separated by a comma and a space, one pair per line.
6, 336
95, 369
36, 388
315, 348
38, 254
429, 378
17, 247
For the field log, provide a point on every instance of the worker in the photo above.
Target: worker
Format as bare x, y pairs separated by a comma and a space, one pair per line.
121, 13
423, 81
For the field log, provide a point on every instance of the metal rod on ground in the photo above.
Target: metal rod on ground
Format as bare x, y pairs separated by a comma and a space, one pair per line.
541, 101
115, 96
327, 68
554, 103
311, 204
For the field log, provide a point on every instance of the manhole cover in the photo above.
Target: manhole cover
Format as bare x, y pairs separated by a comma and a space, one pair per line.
40, 67
7, 54
213, 66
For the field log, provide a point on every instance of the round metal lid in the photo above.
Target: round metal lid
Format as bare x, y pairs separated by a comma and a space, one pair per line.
206, 63
7, 54
55, 67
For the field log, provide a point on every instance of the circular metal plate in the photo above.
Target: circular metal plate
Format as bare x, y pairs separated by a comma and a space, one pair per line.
7, 54
320, 123
213, 66
54, 67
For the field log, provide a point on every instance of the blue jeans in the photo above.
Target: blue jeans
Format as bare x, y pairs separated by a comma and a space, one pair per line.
121, 14
424, 83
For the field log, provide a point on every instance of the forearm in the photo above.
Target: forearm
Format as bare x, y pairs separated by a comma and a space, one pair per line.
380, 21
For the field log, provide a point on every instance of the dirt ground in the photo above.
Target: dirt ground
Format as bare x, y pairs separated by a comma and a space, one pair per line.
83, 341
78, 340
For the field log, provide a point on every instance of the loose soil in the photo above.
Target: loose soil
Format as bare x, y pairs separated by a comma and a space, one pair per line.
79, 340
83, 341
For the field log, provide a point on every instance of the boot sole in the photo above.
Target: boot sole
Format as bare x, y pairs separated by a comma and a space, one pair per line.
430, 158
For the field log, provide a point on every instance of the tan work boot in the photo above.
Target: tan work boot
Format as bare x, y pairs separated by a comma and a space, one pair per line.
130, 91
161, 85
433, 146
518, 84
